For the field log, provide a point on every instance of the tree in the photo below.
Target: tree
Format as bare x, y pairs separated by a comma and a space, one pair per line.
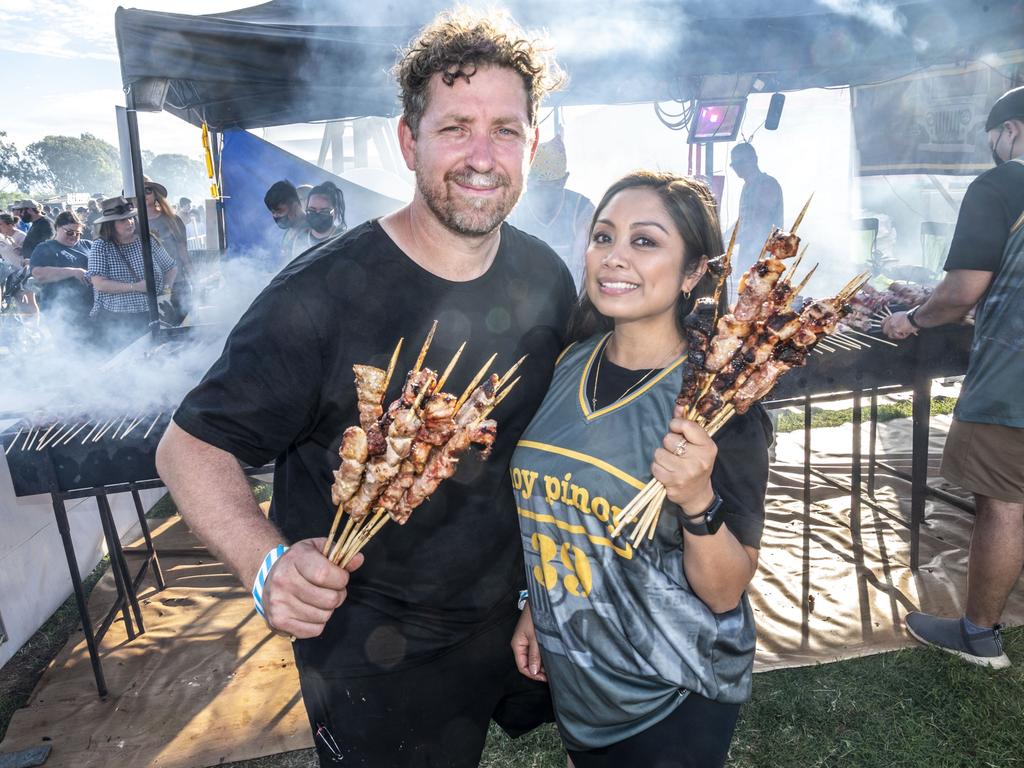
83, 164
183, 176
22, 172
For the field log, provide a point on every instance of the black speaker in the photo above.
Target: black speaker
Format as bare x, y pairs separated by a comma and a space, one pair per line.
775, 111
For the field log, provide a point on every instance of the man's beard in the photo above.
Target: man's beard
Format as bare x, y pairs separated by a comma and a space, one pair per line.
469, 217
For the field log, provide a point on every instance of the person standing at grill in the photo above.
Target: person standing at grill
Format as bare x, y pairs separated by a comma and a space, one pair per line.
403, 656
60, 266
549, 211
117, 270
649, 649
282, 200
984, 450
761, 206
170, 231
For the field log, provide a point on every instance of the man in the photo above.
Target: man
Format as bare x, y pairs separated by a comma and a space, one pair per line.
411, 667
549, 211
984, 451
40, 230
184, 208
760, 207
282, 200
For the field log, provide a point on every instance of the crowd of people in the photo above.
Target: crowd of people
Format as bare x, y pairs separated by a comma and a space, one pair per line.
86, 266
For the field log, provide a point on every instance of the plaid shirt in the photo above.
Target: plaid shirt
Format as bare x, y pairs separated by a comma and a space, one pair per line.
123, 263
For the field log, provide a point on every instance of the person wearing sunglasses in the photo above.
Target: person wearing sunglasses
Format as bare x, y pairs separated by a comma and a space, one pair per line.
59, 266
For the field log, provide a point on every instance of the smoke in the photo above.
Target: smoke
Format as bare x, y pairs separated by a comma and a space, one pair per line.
879, 14
61, 377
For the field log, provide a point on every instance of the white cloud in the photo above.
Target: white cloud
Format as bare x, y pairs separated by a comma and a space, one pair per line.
878, 13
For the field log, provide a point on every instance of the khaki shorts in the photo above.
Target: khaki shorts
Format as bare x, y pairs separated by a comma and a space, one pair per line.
986, 459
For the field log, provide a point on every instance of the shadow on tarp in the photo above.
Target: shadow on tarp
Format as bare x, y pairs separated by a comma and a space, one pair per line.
208, 684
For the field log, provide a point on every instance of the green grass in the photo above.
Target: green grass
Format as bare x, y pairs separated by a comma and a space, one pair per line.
21, 673
916, 708
790, 421
164, 507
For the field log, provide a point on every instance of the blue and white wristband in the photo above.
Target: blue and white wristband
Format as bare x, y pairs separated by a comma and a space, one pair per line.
261, 577
523, 597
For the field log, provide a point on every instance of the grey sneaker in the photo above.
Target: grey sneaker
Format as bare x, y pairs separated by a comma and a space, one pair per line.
984, 649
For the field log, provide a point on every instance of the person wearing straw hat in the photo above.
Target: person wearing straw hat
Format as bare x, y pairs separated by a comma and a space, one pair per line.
984, 450
648, 647
117, 271
402, 654
549, 211
170, 231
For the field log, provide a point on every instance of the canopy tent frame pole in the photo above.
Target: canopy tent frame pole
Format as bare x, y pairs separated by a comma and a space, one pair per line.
147, 251
222, 229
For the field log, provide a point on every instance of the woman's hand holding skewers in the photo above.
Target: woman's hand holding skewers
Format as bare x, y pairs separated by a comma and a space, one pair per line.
304, 588
684, 462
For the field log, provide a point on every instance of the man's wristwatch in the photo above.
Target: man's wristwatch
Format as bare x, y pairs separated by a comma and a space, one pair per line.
910, 317
707, 522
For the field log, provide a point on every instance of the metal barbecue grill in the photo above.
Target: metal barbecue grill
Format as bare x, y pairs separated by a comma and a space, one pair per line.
880, 370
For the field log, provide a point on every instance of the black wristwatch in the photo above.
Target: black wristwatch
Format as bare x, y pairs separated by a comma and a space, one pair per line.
910, 317
705, 524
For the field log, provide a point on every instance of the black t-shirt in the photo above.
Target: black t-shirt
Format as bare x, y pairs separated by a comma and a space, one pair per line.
40, 231
742, 453
992, 205
283, 388
70, 294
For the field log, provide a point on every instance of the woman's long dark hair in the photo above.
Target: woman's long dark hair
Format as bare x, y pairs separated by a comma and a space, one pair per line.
693, 209
330, 190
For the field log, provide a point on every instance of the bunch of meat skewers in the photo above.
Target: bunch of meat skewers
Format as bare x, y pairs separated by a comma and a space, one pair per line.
735, 360
396, 458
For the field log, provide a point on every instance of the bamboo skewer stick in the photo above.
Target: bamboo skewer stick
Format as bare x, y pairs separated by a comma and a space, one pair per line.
796, 263
334, 528
132, 425
155, 420
121, 424
59, 435
42, 440
13, 442
873, 338
439, 387
509, 373
91, 432
28, 438
75, 433
106, 428
423, 350
391, 367
800, 218
476, 380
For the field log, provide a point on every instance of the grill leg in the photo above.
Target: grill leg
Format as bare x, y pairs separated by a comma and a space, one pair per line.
872, 442
922, 412
807, 457
60, 513
151, 556
120, 565
855, 465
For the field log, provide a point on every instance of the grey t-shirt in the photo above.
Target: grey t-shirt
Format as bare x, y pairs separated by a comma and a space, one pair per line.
991, 392
623, 637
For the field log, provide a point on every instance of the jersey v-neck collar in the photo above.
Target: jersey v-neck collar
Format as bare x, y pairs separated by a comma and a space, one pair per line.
590, 414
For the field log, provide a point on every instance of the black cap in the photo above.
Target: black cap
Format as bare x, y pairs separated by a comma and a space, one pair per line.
1009, 106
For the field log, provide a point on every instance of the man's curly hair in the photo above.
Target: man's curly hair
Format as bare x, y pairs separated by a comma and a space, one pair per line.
457, 43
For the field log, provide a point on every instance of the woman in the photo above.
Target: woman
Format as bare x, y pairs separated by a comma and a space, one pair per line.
117, 271
649, 649
11, 239
59, 266
166, 224
325, 217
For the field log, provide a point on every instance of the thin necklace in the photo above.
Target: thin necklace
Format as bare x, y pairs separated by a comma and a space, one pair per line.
597, 374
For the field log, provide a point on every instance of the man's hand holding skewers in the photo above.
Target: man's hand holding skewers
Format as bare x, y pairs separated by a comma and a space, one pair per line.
684, 462
304, 588
897, 326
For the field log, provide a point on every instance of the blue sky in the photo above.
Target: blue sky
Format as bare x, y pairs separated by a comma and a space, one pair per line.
61, 72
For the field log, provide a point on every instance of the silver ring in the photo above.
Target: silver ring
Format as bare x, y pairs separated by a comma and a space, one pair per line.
681, 447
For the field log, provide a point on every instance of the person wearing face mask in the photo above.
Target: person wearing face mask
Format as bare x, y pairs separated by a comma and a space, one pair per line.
648, 650
40, 230
984, 450
325, 218
59, 266
282, 200
552, 213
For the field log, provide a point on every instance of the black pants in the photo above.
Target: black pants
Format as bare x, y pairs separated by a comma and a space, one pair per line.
696, 735
116, 330
433, 714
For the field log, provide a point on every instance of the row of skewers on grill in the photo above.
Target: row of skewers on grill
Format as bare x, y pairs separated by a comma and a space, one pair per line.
870, 307
62, 432
735, 360
396, 458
